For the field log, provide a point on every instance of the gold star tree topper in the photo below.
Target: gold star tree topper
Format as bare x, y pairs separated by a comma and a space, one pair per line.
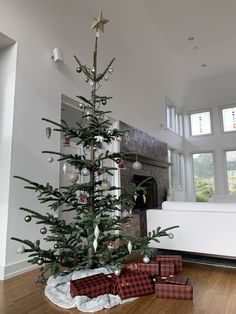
98, 22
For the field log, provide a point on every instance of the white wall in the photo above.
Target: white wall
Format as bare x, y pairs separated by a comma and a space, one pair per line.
146, 71
7, 89
211, 93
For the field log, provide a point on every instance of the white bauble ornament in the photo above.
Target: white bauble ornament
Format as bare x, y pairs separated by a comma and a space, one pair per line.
95, 244
85, 172
40, 261
50, 159
73, 177
38, 193
64, 167
171, 236
129, 247
110, 247
106, 185
43, 230
96, 231
20, 249
117, 271
137, 165
146, 259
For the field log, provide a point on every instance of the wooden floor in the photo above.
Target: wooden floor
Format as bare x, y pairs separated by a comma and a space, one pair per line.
214, 293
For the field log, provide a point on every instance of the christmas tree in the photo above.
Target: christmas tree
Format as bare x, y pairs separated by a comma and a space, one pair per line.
95, 237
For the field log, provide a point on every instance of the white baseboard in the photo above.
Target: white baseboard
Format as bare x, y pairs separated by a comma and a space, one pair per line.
15, 269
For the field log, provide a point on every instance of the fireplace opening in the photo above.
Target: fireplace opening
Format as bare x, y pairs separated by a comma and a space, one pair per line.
149, 198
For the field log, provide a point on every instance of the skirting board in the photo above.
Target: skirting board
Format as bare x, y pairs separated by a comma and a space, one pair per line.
15, 269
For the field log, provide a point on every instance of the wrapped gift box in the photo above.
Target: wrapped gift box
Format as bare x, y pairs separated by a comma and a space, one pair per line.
174, 259
132, 284
152, 268
165, 289
91, 286
167, 269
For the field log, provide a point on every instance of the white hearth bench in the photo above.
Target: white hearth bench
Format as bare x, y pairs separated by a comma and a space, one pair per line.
208, 228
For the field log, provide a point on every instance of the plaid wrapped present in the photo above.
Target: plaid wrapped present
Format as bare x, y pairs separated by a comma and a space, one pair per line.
133, 284
152, 268
163, 289
91, 286
177, 279
175, 259
167, 269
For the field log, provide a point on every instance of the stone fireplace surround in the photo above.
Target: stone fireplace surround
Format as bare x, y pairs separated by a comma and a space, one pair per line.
153, 154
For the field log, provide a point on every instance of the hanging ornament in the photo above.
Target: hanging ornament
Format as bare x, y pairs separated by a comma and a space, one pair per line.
48, 131
85, 172
43, 230
64, 167
56, 246
20, 249
38, 193
81, 105
109, 132
93, 70
129, 247
95, 244
110, 247
91, 83
96, 232
40, 261
119, 138
28, 218
66, 142
135, 197
86, 80
117, 271
99, 138
146, 259
121, 165
144, 199
137, 165
106, 185
73, 177
50, 159
104, 102
171, 236
78, 69
110, 70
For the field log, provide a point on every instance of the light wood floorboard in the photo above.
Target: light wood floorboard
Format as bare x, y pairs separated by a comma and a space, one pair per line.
214, 293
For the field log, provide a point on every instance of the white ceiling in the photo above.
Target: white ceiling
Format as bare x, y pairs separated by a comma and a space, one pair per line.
212, 23
5, 41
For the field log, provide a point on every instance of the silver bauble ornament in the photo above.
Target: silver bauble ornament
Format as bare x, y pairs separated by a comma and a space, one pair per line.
20, 249
137, 165
28, 218
106, 185
78, 69
56, 246
129, 247
171, 236
146, 259
85, 172
50, 159
43, 230
117, 271
110, 70
86, 80
93, 70
40, 261
73, 177
104, 102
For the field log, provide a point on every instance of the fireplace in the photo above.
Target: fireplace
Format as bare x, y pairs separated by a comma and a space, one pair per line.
149, 198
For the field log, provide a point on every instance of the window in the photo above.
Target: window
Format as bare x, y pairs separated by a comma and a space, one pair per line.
229, 118
200, 123
176, 170
174, 118
230, 157
203, 171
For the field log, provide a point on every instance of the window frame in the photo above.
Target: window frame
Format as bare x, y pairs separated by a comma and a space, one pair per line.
177, 170
190, 124
221, 118
225, 169
174, 120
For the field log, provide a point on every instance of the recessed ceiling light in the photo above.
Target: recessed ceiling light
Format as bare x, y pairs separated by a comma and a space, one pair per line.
191, 38
203, 65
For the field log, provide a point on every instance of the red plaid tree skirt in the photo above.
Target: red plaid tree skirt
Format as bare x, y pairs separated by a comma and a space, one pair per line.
174, 259
173, 291
91, 286
132, 284
167, 269
152, 268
